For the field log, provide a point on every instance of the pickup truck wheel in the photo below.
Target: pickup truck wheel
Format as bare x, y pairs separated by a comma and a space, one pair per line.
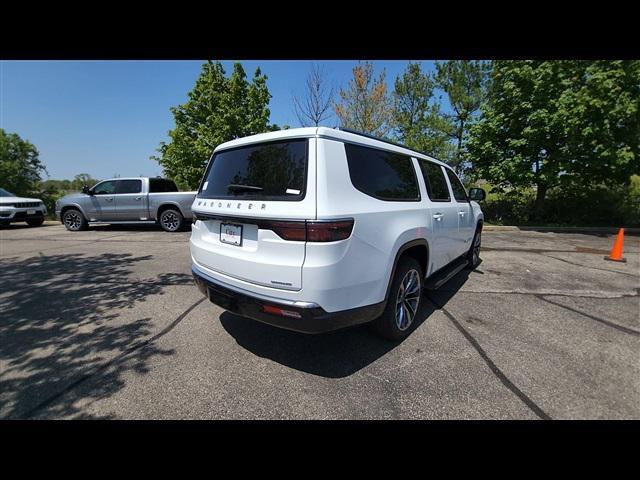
404, 300
35, 222
171, 220
74, 221
473, 256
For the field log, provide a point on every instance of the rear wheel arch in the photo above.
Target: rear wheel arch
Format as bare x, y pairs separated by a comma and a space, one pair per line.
167, 206
417, 249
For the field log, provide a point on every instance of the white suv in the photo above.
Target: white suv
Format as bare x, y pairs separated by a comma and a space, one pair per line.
315, 229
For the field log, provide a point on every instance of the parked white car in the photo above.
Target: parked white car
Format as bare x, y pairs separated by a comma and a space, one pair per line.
20, 209
315, 229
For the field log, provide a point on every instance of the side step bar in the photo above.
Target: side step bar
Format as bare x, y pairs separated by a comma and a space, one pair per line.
442, 276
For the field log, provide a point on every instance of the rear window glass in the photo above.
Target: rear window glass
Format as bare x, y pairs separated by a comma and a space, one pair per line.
383, 175
266, 171
437, 188
459, 193
160, 185
129, 186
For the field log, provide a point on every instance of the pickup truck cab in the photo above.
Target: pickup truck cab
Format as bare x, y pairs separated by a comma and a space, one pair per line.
20, 209
127, 200
315, 229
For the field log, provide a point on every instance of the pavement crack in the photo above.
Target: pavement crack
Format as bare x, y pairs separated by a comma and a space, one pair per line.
592, 268
621, 328
101, 368
492, 366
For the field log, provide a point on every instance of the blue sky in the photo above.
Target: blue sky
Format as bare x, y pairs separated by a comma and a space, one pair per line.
108, 117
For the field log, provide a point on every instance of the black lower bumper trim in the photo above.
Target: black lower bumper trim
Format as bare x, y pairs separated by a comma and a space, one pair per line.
22, 216
312, 320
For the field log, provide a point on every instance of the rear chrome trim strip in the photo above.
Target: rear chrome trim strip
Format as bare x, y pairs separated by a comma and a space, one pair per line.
281, 301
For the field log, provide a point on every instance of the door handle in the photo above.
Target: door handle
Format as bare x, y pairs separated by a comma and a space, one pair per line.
138, 198
461, 214
438, 216
109, 199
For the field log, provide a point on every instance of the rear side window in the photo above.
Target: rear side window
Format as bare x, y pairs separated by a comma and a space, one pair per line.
161, 185
266, 171
436, 183
129, 186
459, 193
383, 175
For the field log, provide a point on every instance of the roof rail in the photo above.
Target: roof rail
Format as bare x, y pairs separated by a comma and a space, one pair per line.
390, 142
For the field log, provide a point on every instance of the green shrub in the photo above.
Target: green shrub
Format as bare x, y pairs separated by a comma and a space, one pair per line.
567, 206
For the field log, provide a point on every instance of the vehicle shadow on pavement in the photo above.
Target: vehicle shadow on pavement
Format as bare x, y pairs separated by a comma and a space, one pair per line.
134, 227
333, 355
60, 325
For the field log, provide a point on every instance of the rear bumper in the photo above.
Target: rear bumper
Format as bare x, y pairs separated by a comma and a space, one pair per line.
312, 318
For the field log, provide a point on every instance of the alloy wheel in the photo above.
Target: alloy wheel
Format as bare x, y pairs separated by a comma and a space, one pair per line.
170, 221
72, 220
408, 299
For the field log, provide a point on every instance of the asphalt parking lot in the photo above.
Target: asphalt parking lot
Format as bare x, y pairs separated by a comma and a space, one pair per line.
108, 324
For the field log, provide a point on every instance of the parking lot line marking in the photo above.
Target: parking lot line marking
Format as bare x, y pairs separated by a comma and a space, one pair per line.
492, 366
622, 328
96, 370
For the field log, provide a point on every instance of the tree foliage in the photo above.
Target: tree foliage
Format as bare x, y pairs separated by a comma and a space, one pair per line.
218, 109
464, 82
20, 165
365, 105
418, 121
549, 123
315, 105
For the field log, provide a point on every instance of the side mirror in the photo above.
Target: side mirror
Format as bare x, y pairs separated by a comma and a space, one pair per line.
477, 194
86, 190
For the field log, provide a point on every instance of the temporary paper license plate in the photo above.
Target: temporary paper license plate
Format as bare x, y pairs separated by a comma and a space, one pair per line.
231, 234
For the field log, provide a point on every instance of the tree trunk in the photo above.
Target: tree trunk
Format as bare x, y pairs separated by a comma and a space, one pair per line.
539, 204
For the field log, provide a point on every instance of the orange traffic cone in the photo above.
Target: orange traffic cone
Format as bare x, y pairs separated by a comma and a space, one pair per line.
616, 251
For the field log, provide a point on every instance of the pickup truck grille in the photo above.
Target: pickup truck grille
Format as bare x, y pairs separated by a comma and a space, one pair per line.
26, 205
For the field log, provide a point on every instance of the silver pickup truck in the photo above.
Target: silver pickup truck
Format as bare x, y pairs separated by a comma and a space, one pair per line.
127, 200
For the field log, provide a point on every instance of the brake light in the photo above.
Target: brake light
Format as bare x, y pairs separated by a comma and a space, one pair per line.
287, 230
329, 231
311, 231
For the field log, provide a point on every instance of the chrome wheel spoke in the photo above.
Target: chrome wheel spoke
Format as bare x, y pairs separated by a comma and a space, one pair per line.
408, 299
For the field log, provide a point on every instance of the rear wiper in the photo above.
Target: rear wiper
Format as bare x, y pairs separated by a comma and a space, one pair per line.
240, 188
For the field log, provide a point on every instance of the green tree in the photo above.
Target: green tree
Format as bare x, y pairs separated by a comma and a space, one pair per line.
218, 109
559, 123
464, 82
417, 119
20, 166
365, 104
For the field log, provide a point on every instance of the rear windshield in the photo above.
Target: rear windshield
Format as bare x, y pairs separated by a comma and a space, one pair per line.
266, 171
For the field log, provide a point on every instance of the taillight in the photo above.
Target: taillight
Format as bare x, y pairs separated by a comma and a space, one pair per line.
310, 231
287, 230
329, 231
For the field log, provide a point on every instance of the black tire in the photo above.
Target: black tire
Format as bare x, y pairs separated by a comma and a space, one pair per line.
399, 317
171, 220
473, 257
74, 221
35, 222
